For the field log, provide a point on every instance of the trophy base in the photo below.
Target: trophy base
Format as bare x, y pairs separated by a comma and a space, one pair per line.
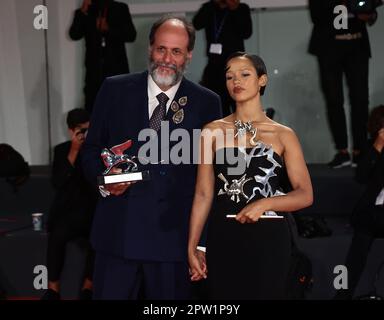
123, 177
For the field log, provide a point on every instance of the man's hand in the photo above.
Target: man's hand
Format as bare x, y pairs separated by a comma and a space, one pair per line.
233, 4
370, 18
85, 6
117, 188
197, 265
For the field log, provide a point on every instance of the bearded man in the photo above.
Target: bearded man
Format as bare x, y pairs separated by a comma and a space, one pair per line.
140, 230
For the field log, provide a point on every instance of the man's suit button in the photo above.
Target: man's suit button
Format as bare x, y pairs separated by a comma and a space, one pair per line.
162, 173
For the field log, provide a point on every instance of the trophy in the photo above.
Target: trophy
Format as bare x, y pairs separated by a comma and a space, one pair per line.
115, 158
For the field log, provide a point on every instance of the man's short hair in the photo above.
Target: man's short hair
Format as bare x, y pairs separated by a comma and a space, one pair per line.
76, 117
187, 25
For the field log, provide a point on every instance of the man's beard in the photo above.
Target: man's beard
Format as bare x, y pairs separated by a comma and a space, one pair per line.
166, 80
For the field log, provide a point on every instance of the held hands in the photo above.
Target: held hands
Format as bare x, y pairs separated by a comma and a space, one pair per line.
252, 212
197, 265
77, 139
370, 18
117, 189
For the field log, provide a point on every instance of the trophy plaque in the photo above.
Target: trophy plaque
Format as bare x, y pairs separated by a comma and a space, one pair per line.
115, 158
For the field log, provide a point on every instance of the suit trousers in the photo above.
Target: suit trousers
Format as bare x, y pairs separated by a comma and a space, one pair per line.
62, 232
116, 278
346, 58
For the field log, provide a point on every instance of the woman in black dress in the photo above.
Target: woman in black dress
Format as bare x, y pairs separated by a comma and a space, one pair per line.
239, 186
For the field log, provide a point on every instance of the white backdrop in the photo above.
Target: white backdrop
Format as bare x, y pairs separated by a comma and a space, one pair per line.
280, 36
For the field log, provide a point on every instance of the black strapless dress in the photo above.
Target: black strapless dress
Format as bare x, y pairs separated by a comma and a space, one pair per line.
247, 261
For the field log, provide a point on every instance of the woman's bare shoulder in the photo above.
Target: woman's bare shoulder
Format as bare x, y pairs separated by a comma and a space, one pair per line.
222, 124
279, 128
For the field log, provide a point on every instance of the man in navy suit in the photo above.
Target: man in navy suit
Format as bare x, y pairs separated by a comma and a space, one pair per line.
140, 230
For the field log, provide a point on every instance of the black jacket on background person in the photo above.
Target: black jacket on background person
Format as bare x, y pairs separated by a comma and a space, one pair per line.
226, 27
236, 28
75, 199
323, 32
105, 53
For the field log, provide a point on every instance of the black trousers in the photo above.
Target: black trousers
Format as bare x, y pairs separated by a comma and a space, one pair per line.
62, 232
349, 59
117, 278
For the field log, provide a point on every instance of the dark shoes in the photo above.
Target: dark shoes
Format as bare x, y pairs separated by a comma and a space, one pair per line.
340, 160
85, 294
50, 295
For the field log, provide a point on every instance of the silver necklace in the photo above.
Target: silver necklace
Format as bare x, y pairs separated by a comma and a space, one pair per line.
243, 127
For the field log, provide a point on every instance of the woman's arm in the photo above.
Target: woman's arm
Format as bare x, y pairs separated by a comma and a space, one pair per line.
202, 202
301, 195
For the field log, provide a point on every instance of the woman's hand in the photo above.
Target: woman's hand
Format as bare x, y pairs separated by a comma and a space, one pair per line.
197, 265
252, 212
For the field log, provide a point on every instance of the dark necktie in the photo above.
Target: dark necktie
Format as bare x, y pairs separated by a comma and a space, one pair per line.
159, 113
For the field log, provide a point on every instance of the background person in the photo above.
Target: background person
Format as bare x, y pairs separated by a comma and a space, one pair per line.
106, 26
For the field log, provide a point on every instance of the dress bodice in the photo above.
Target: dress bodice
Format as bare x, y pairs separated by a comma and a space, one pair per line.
243, 175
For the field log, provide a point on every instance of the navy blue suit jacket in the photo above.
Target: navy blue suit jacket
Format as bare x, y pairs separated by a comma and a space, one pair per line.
150, 220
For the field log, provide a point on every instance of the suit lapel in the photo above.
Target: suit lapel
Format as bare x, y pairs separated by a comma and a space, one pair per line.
143, 106
178, 108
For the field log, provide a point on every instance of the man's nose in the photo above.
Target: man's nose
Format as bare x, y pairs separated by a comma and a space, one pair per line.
167, 57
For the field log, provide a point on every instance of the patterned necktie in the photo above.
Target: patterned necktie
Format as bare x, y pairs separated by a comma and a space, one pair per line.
159, 113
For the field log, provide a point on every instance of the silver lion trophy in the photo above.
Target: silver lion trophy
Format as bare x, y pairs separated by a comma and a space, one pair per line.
115, 158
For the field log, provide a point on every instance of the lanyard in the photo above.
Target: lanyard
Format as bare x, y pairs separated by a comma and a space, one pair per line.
218, 28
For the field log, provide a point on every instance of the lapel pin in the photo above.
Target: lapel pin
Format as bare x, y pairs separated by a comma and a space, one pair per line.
178, 117
183, 101
174, 106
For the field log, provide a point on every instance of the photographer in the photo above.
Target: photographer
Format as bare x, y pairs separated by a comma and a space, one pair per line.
368, 215
73, 206
344, 50
106, 26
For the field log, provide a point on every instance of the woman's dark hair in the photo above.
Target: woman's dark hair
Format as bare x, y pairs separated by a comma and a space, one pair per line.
376, 121
187, 25
76, 117
257, 62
